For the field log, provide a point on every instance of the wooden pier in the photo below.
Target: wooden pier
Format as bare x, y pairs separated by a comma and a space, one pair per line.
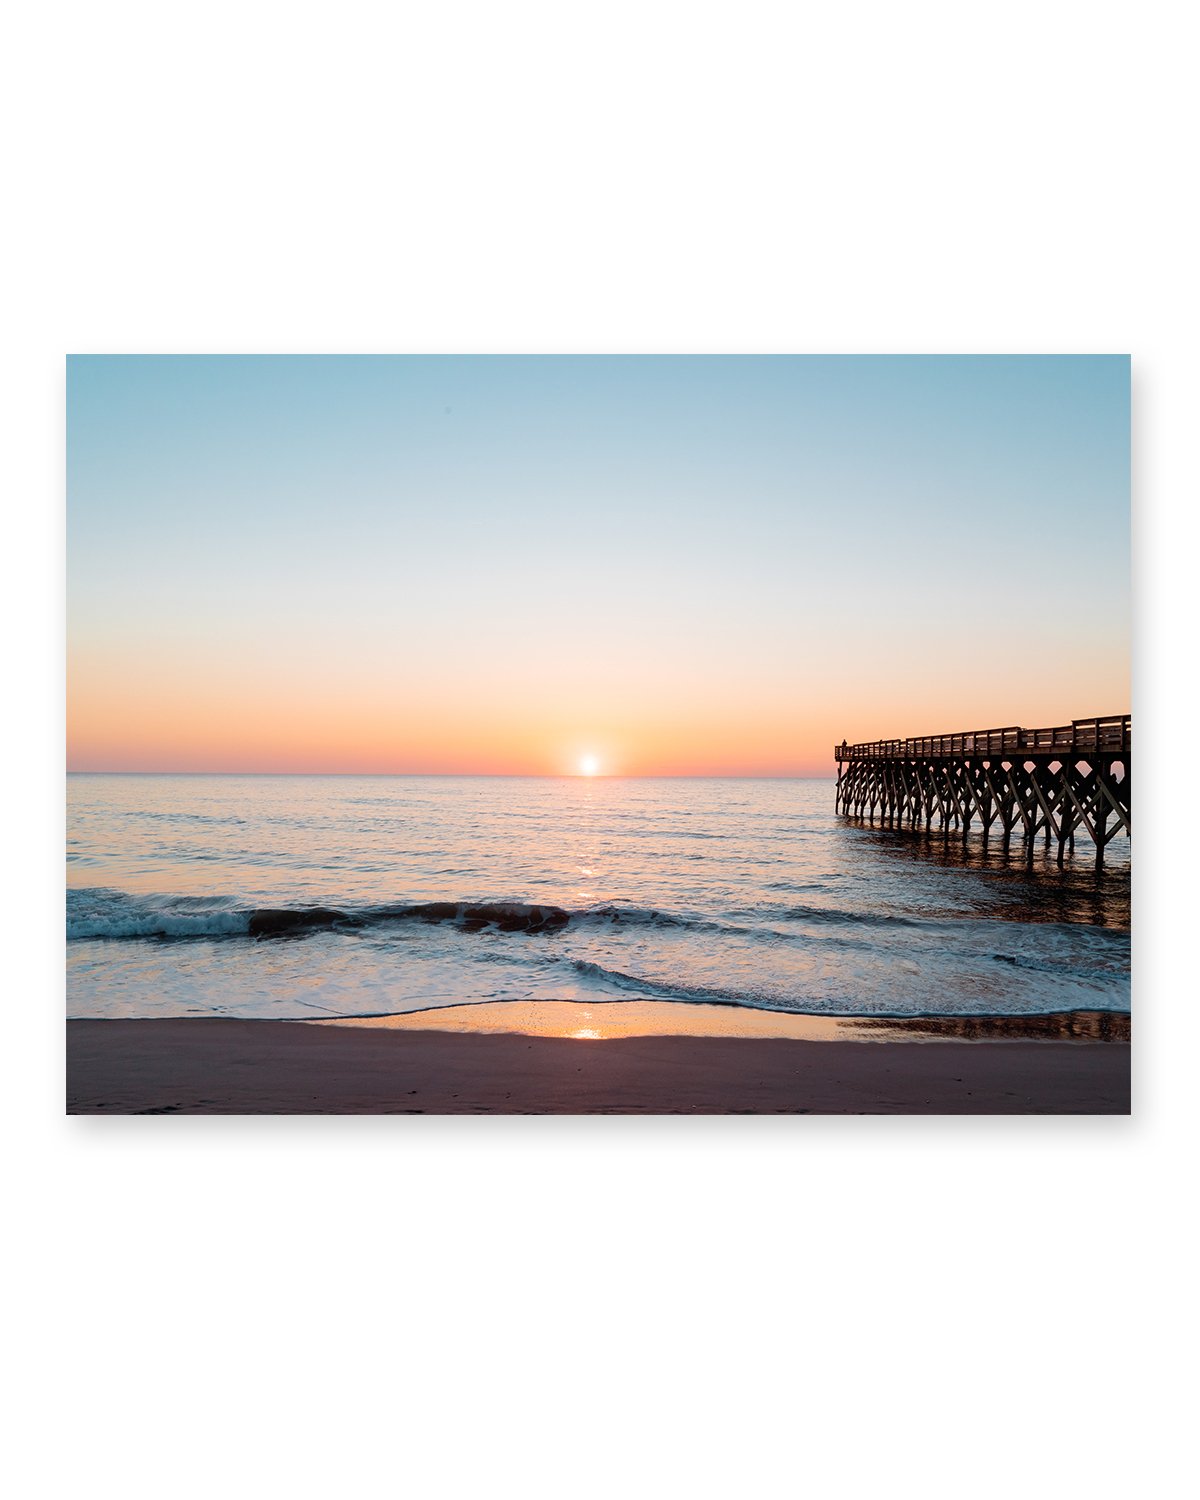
1028, 781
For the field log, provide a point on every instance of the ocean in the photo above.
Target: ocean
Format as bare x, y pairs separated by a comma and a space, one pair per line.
294, 897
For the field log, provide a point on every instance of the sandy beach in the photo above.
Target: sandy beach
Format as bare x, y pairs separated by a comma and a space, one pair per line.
403, 1065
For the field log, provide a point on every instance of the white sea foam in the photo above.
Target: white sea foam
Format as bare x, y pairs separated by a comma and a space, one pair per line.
114, 914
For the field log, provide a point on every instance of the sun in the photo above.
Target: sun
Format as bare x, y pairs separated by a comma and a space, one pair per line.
589, 766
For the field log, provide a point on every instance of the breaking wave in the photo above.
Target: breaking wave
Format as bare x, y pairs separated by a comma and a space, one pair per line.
98, 913
101, 913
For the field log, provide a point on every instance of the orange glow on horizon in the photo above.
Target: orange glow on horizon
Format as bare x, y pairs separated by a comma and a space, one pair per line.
124, 732
297, 708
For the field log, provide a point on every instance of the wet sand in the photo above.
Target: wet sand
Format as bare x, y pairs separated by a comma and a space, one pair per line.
607, 1020
219, 1066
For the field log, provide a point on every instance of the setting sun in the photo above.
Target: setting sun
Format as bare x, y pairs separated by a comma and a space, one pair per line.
589, 766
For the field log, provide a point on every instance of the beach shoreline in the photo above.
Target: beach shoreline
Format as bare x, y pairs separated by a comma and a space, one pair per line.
610, 1020
216, 1065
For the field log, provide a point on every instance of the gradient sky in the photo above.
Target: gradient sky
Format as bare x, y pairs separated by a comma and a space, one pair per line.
680, 565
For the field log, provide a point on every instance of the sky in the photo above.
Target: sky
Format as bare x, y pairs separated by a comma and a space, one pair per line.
672, 565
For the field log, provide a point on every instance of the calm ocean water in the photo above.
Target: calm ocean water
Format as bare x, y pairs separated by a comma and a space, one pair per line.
427, 891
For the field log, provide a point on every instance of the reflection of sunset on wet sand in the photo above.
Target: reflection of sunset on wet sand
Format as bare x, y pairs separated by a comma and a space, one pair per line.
617, 1019
608, 1021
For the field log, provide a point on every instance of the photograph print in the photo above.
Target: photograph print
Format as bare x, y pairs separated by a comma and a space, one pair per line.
598, 734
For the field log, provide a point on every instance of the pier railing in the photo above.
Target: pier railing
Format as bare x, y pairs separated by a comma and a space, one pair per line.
1111, 733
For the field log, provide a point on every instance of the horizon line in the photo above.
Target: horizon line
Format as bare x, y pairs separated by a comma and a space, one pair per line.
495, 775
